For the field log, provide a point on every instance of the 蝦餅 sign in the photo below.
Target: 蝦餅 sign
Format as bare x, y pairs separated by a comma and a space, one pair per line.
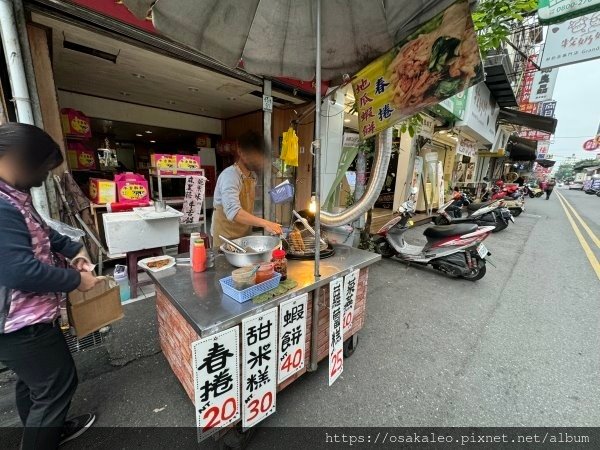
557, 11
420, 71
573, 41
215, 363
292, 337
350, 291
259, 367
336, 336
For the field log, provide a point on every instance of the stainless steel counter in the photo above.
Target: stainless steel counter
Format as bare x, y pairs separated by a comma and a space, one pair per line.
199, 298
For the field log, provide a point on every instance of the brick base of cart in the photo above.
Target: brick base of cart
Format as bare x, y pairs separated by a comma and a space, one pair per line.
176, 334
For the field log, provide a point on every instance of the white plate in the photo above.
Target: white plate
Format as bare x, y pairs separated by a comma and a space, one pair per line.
143, 263
482, 250
149, 213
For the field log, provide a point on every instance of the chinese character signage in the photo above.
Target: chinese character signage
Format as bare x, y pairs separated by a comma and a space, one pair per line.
557, 11
420, 71
216, 366
542, 149
336, 337
543, 85
466, 147
259, 367
573, 41
527, 84
292, 337
350, 291
545, 109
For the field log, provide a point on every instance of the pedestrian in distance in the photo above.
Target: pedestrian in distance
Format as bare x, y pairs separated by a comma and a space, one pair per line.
550, 187
33, 276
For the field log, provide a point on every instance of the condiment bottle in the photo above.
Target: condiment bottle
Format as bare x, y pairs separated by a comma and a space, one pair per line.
193, 238
280, 263
199, 258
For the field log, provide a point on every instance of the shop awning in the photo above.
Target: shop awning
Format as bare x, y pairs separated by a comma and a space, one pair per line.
521, 149
545, 163
523, 119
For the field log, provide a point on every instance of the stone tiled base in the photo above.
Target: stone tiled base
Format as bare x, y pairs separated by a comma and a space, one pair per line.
176, 335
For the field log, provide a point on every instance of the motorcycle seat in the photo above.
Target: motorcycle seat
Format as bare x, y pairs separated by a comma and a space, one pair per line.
476, 206
450, 230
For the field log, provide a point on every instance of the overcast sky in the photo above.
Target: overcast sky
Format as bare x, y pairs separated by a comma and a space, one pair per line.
577, 95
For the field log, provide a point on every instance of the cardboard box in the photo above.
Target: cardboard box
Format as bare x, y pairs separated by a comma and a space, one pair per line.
80, 157
132, 188
102, 191
167, 164
75, 123
92, 310
188, 163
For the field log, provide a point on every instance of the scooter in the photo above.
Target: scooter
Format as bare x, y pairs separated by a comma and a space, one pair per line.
492, 214
455, 250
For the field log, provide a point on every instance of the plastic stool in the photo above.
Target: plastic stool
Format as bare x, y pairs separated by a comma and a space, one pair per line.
132, 267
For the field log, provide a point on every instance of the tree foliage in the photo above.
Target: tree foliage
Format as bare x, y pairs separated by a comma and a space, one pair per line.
494, 19
564, 172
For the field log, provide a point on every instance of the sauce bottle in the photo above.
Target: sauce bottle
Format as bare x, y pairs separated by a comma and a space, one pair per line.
199, 256
280, 263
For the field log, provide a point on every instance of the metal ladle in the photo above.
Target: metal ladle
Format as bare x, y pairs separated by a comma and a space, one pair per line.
233, 244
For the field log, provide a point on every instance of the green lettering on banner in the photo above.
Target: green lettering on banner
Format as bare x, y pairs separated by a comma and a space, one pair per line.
557, 11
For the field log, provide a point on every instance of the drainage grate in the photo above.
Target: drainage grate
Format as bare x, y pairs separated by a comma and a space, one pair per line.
92, 340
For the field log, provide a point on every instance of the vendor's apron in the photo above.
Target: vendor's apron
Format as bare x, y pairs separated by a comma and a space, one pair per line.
227, 228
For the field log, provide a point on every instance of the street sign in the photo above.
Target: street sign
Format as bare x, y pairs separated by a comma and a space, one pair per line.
259, 367
292, 337
336, 338
215, 363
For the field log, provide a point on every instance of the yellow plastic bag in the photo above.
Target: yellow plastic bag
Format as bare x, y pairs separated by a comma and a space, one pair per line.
289, 148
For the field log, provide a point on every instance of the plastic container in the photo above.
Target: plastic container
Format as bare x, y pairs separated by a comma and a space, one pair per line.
265, 272
122, 280
280, 263
243, 278
250, 292
199, 258
282, 193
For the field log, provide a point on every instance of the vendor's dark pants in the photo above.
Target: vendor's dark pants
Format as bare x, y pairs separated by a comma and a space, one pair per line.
548, 193
47, 380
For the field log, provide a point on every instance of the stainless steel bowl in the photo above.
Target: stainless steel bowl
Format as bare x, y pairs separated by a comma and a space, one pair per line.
264, 246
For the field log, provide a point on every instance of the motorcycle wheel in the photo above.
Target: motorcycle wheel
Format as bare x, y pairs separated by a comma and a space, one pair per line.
539, 194
382, 247
500, 225
531, 195
516, 212
598, 193
477, 273
441, 220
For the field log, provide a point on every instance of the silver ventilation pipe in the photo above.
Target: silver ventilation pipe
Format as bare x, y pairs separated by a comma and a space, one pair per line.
383, 153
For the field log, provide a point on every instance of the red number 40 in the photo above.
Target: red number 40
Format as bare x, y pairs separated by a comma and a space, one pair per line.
292, 362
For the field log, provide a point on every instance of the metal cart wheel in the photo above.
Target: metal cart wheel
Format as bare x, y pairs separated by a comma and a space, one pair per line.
235, 439
350, 345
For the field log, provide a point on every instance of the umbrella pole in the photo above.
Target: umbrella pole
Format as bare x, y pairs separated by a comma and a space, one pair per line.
317, 144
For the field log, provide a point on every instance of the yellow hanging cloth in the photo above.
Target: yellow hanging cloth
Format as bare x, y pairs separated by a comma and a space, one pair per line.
289, 148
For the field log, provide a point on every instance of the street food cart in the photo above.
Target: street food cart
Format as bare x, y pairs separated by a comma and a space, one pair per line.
193, 308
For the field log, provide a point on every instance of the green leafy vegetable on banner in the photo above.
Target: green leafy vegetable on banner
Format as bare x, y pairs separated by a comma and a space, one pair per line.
443, 50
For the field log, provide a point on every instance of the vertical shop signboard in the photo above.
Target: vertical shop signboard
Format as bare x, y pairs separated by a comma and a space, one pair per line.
216, 366
336, 340
292, 337
350, 291
259, 367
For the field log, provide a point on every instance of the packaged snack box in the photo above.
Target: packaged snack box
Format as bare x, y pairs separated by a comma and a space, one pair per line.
167, 164
132, 187
80, 157
188, 162
75, 123
102, 191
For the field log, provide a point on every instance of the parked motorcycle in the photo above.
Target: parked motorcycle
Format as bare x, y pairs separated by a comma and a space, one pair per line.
515, 206
492, 214
533, 191
456, 250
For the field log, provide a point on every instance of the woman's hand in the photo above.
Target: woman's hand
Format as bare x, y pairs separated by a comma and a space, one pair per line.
88, 281
82, 263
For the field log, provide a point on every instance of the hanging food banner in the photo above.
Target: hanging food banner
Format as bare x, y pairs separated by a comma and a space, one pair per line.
435, 62
292, 337
557, 11
350, 291
466, 147
573, 41
336, 337
259, 367
215, 363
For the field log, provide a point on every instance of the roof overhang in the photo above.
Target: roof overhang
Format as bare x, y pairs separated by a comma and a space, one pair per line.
521, 149
546, 163
533, 121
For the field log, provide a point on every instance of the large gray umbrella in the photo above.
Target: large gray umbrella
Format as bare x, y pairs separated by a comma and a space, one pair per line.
302, 39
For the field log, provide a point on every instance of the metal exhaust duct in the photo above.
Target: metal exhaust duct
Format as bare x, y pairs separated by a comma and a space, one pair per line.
383, 153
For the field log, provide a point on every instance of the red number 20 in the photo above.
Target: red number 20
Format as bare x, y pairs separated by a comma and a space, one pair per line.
216, 415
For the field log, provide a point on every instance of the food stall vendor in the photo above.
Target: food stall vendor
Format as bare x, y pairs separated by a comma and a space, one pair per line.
234, 194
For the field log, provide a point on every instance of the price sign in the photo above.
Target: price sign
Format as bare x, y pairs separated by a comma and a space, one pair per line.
336, 341
267, 103
259, 369
292, 337
350, 290
216, 365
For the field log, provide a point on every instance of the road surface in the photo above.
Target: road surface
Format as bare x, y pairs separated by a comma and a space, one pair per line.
517, 348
